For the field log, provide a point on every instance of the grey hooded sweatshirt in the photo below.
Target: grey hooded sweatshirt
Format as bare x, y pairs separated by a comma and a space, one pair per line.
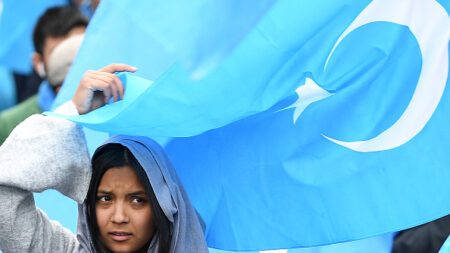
47, 152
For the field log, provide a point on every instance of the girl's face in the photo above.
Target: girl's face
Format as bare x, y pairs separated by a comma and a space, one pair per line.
124, 217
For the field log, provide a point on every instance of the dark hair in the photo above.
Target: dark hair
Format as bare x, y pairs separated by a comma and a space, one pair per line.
56, 22
116, 155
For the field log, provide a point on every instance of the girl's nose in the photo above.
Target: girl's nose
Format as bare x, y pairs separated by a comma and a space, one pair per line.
119, 214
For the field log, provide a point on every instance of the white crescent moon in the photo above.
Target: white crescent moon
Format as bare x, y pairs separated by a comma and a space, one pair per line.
430, 24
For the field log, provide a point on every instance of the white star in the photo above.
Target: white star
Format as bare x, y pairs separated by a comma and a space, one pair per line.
308, 93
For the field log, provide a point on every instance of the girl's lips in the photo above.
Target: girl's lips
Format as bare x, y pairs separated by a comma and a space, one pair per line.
120, 236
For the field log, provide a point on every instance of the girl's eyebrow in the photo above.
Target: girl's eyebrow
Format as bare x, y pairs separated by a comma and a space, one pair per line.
137, 193
105, 192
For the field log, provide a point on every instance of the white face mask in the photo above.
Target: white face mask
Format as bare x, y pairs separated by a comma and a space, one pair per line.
40, 70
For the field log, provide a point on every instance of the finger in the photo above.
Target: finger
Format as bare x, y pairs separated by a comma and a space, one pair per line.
113, 85
114, 91
92, 82
98, 75
102, 83
119, 86
107, 95
115, 67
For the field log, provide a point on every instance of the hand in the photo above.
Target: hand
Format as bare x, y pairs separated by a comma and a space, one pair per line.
97, 87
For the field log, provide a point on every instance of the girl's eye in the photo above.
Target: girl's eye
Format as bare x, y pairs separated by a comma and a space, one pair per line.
138, 200
104, 198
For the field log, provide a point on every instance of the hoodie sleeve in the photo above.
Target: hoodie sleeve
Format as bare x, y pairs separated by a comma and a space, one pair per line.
41, 153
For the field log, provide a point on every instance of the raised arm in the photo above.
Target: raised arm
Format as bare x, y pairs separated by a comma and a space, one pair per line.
41, 153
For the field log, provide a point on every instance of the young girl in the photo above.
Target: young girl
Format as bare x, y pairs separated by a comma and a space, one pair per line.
131, 199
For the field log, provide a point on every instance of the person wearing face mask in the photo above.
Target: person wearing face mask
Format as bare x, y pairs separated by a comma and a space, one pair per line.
53, 27
130, 197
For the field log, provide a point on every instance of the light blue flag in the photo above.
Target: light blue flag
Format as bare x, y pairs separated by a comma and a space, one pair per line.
327, 123
17, 22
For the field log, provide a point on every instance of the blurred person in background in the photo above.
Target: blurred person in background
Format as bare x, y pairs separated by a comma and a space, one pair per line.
55, 26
